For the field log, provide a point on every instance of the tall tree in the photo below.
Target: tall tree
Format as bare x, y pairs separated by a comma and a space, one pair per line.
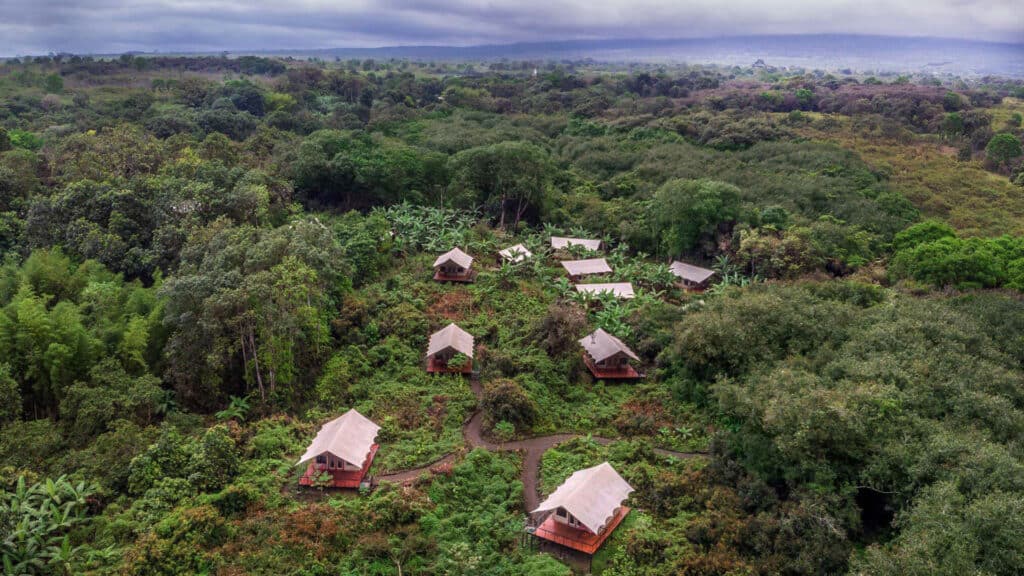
509, 177
685, 211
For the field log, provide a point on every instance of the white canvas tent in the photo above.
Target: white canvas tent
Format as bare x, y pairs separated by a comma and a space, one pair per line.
516, 253
451, 336
601, 345
592, 496
560, 243
349, 437
619, 289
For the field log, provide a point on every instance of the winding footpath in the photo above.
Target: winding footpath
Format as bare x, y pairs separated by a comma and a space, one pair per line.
533, 449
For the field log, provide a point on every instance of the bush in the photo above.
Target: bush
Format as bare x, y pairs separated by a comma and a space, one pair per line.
505, 400
1003, 148
167, 458
504, 431
35, 521
215, 462
962, 263
10, 396
927, 231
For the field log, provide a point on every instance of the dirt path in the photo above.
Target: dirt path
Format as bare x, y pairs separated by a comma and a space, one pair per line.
533, 450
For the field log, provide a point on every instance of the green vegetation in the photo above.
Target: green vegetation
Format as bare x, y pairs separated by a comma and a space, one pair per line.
204, 259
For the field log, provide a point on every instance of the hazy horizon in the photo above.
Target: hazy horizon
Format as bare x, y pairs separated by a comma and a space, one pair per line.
117, 26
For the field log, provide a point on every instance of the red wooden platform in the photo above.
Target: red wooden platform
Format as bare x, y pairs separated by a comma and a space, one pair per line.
435, 367
341, 478
576, 538
467, 277
623, 372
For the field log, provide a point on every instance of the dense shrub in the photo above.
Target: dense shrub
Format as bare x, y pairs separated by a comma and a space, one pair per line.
506, 401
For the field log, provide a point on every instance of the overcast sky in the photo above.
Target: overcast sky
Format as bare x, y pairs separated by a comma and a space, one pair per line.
113, 26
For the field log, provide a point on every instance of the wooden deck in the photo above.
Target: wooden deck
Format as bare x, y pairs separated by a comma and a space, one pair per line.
341, 478
575, 538
435, 367
626, 372
463, 278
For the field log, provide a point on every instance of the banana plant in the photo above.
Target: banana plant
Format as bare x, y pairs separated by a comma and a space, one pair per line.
611, 317
552, 230
565, 288
36, 520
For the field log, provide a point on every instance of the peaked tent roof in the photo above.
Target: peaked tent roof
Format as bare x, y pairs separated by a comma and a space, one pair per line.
584, 267
601, 345
558, 242
516, 253
454, 255
690, 273
619, 289
349, 437
451, 336
591, 495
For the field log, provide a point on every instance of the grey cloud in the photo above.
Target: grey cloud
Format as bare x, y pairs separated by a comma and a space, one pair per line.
33, 26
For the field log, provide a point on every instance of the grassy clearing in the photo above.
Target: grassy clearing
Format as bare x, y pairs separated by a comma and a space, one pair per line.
973, 200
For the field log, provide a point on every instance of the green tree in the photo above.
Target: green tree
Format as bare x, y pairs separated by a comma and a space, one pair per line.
505, 400
922, 232
110, 394
1003, 148
53, 84
509, 178
684, 212
256, 298
963, 263
10, 396
214, 462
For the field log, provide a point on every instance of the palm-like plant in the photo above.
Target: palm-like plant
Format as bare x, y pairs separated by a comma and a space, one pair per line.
35, 522
724, 266
656, 276
551, 230
237, 409
579, 232
611, 317
505, 275
581, 298
565, 288
617, 259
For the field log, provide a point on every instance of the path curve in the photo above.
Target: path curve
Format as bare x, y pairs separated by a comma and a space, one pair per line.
533, 449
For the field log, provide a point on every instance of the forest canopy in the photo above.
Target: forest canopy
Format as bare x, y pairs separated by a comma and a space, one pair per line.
206, 258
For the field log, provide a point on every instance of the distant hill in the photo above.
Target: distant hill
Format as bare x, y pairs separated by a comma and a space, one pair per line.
871, 54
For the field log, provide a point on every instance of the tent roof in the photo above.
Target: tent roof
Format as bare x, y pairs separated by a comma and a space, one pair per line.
591, 495
619, 289
516, 253
349, 437
584, 267
558, 242
454, 255
691, 273
451, 336
601, 345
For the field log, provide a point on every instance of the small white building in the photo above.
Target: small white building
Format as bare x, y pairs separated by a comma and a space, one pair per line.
561, 243
622, 290
606, 351
343, 448
514, 254
445, 344
579, 268
691, 276
585, 509
454, 265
